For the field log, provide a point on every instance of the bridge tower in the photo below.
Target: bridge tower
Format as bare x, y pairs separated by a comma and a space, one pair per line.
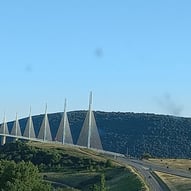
64, 134
89, 135
44, 132
4, 131
16, 130
29, 129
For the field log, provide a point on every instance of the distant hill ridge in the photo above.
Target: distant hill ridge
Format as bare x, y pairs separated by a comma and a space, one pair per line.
159, 135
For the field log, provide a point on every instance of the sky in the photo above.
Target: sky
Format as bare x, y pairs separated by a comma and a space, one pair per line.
134, 55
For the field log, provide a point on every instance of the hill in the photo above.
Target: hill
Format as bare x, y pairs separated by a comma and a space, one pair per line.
159, 135
72, 168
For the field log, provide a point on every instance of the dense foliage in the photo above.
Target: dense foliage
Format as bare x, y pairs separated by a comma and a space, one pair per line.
22, 176
49, 159
159, 135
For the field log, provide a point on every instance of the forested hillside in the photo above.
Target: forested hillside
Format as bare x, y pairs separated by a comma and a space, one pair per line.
159, 135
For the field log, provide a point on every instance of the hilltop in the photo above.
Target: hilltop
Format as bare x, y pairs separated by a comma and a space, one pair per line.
158, 135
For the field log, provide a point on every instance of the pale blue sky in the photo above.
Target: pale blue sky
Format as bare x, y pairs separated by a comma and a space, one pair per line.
134, 55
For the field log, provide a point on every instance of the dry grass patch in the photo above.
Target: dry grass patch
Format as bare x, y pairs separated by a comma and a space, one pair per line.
179, 164
69, 149
175, 183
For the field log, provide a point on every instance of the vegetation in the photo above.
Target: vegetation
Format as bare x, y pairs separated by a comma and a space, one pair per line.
146, 156
100, 186
22, 176
49, 159
65, 167
160, 135
115, 179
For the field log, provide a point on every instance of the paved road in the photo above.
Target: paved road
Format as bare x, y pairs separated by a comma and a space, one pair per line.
155, 167
145, 173
145, 169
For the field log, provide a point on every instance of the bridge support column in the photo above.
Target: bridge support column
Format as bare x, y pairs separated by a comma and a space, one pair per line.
3, 140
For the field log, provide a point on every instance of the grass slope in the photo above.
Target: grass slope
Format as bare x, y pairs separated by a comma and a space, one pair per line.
117, 177
175, 183
180, 164
72, 168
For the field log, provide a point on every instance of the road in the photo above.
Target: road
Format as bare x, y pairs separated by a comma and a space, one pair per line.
155, 167
145, 172
146, 168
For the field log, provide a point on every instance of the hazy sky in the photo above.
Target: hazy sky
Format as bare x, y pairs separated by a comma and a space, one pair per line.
134, 56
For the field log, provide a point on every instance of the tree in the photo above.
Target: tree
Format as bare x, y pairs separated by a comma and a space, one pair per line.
101, 186
95, 187
23, 176
146, 156
109, 163
102, 183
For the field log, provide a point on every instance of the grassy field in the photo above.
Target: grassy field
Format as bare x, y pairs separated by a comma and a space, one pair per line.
116, 179
175, 183
70, 150
181, 164
117, 176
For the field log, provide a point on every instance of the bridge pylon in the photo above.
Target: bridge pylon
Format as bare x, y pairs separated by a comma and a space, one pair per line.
44, 132
4, 130
64, 134
16, 130
89, 135
29, 129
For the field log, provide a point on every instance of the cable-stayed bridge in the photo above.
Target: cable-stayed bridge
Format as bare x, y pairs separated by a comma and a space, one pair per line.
89, 136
